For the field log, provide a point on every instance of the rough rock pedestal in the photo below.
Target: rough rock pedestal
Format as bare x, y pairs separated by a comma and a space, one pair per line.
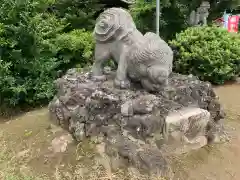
134, 123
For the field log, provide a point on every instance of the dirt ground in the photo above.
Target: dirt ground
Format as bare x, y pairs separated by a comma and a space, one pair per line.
25, 151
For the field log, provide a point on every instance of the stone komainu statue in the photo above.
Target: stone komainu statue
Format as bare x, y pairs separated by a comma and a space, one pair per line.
200, 16
143, 58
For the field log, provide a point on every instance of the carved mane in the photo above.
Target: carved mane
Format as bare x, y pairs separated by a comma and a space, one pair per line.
113, 22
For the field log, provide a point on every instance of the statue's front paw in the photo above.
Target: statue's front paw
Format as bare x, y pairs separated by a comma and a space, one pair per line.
122, 84
98, 78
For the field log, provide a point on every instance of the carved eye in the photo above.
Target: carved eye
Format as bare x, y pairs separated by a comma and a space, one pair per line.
101, 23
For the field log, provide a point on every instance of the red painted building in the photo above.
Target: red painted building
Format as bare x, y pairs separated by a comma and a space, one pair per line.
233, 23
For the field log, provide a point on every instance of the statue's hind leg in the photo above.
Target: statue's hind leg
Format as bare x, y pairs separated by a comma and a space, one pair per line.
102, 54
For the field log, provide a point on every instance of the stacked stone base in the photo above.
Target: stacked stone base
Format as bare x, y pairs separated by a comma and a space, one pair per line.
138, 127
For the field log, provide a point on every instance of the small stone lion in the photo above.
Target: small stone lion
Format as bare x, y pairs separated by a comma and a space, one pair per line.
144, 58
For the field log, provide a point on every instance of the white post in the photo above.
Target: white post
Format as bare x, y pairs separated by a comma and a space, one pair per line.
157, 16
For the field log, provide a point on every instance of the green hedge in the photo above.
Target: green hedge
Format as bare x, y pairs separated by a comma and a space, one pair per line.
34, 49
211, 53
75, 46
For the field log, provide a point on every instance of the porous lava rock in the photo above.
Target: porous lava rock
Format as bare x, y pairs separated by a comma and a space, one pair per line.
136, 124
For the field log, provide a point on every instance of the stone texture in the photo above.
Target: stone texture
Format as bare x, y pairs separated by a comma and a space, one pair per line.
137, 126
185, 130
238, 80
144, 58
200, 15
189, 122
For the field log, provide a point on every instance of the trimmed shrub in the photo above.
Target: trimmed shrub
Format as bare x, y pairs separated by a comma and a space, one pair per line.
34, 49
28, 66
211, 53
75, 47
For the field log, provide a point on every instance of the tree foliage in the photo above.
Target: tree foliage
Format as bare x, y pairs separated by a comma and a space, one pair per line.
218, 7
78, 13
174, 13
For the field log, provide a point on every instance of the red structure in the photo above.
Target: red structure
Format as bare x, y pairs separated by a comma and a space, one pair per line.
219, 22
233, 23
